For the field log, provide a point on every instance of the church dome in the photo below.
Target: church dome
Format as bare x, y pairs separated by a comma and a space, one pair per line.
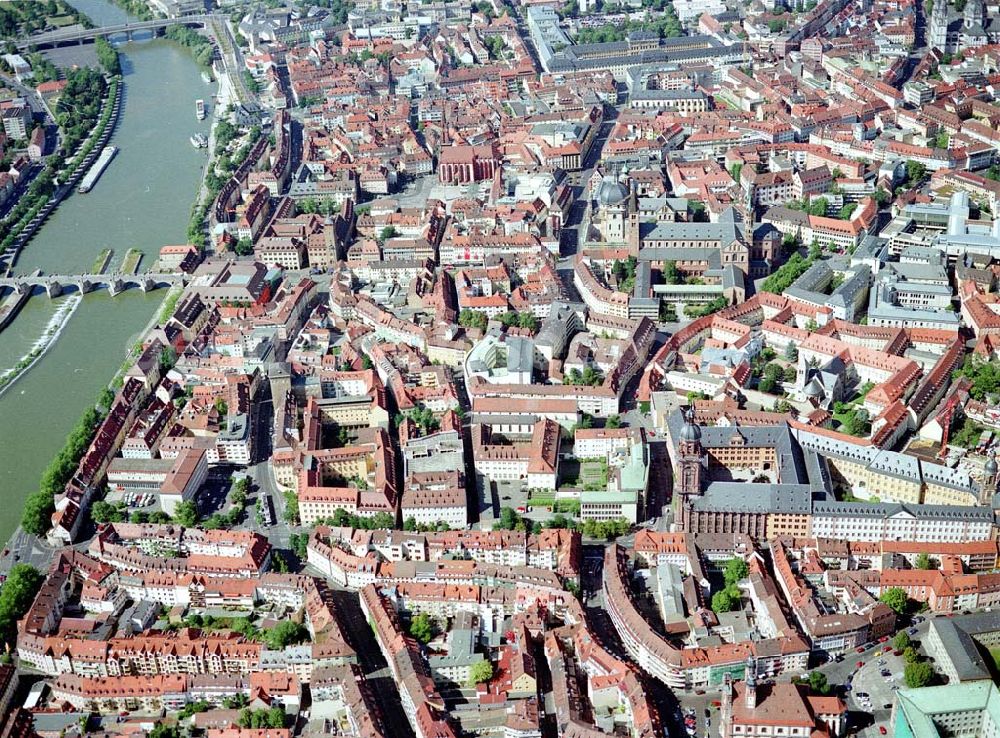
991, 468
610, 193
690, 431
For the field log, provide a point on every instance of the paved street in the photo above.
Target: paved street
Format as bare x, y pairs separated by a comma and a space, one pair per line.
570, 236
24, 548
867, 679
372, 662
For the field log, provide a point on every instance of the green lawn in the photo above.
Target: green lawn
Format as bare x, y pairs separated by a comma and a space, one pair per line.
568, 507
995, 655
61, 21
842, 418
594, 474
542, 500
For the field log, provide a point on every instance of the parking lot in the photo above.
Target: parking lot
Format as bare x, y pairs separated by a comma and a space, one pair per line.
874, 686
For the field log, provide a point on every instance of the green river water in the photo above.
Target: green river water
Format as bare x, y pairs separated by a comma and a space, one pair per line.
142, 200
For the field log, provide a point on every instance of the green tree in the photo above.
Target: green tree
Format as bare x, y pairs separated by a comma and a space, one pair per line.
424, 418
37, 513
480, 673
895, 598
168, 358
495, 46
243, 247
524, 320
16, 595
782, 279
858, 423
671, 274
736, 570
818, 206
421, 627
387, 233
901, 641
39, 505
915, 172
104, 512
699, 311
923, 561
508, 519
910, 655
186, 514
818, 683
285, 633
162, 730
291, 513
918, 674
727, 599
299, 543
613, 421
235, 702
984, 375
107, 56
106, 399
473, 319
847, 211
273, 717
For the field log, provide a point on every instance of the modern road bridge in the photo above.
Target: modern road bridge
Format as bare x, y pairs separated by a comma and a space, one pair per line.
53, 39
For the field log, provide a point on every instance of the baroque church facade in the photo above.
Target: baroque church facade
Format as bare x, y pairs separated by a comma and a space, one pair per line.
952, 31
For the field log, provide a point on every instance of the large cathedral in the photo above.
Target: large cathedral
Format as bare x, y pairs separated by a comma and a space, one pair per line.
952, 31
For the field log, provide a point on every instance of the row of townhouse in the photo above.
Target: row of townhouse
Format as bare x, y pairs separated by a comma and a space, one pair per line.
553, 549
829, 632
686, 668
422, 703
111, 694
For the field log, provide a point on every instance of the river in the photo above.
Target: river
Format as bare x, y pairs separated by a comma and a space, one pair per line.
143, 200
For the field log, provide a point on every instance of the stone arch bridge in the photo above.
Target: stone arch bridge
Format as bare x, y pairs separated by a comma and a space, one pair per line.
57, 284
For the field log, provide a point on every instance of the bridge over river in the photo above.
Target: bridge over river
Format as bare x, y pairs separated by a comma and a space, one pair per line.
56, 284
54, 39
